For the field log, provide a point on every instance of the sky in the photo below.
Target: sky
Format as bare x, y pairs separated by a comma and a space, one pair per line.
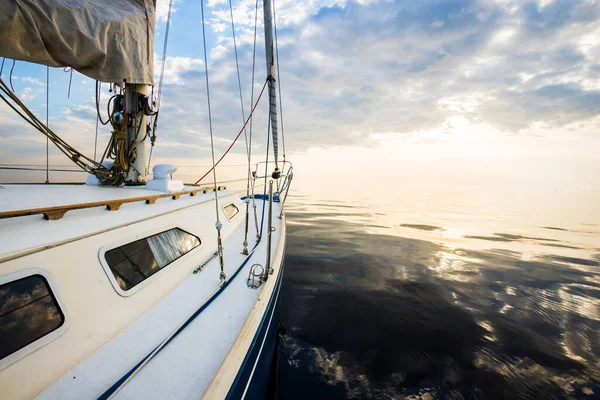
443, 92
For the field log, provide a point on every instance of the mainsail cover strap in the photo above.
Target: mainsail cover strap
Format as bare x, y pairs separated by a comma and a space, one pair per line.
107, 40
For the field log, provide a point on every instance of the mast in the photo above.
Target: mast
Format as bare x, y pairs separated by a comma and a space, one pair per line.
89, 37
136, 133
268, 21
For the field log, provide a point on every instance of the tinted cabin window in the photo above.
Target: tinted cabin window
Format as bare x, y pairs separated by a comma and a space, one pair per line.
28, 311
230, 210
139, 260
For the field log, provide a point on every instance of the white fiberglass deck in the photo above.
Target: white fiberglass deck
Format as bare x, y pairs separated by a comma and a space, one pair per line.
81, 222
186, 366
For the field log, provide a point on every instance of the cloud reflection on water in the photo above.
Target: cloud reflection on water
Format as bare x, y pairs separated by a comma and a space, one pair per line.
380, 315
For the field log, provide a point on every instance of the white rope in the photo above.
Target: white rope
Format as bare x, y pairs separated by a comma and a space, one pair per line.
218, 224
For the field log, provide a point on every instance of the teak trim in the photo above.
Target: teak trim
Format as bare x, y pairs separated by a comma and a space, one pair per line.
53, 213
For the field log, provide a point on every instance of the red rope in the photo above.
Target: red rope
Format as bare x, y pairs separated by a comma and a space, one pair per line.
241, 130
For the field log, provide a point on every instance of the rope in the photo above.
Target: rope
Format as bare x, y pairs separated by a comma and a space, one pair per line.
237, 65
106, 176
266, 172
238, 135
160, 83
97, 118
29, 117
69, 69
10, 76
39, 169
98, 91
252, 101
152, 140
47, 114
2, 67
279, 82
218, 224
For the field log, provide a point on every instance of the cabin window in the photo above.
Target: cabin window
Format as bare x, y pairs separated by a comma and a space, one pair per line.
28, 311
230, 210
137, 261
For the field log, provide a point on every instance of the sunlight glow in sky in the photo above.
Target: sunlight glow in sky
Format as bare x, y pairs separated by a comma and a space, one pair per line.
462, 91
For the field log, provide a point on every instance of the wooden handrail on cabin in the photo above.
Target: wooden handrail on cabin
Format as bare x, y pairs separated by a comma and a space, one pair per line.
57, 212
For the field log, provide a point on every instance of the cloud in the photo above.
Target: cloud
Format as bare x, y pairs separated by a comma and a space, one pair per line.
32, 80
176, 68
218, 52
355, 72
352, 71
27, 94
162, 9
80, 111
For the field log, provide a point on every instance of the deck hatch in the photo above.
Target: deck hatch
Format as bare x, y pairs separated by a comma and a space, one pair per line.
135, 262
28, 311
231, 210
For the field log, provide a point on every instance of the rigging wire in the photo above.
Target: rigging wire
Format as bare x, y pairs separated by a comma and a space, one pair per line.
160, 84
252, 101
98, 118
47, 114
239, 134
262, 219
106, 176
237, 65
2, 67
279, 82
218, 224
96, 139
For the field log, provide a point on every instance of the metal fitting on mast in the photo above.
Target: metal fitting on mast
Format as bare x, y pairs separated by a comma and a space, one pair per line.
137, 108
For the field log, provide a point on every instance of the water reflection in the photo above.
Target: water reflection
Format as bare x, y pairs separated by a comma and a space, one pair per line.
376, 313
28, 311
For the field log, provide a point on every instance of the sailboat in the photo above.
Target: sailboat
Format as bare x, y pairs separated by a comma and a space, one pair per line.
128, 287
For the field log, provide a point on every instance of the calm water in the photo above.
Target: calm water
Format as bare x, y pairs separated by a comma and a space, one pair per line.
471, 299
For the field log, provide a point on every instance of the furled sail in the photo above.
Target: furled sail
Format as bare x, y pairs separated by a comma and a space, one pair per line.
107, 40
272, 80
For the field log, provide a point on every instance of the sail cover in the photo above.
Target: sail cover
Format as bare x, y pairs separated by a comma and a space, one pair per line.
107, 40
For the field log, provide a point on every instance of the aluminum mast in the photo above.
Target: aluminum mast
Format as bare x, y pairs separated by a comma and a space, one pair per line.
268, 20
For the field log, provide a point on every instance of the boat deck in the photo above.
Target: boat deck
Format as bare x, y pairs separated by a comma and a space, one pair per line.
185, 367
86, 212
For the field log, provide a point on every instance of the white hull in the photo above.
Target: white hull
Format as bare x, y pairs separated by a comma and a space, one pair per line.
110, 335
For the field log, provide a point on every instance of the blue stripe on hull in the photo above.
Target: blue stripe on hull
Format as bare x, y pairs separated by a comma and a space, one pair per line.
253, 377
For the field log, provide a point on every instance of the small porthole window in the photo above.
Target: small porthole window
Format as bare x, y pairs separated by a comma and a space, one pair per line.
230, 210
28, 311
137, 261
